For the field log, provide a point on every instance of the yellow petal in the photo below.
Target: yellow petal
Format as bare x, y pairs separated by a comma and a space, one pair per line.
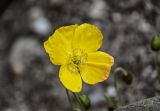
100, 57
97, 67
87, 37
58, 46
93, 73
71, 80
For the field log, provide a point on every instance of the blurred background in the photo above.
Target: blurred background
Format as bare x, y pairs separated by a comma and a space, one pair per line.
28, 80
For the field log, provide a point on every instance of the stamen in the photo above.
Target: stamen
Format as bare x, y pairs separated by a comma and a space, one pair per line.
75, 59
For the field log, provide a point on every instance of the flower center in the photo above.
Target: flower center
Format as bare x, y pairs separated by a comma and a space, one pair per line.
75, 59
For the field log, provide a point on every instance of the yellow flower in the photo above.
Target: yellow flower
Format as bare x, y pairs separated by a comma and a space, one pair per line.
75, 48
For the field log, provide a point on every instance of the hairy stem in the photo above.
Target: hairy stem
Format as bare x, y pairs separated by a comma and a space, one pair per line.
69, 99
120, 99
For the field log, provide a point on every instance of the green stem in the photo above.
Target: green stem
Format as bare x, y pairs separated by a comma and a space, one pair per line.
155, 59
69, 99
79, 101
111, 105
155, 56
120, 99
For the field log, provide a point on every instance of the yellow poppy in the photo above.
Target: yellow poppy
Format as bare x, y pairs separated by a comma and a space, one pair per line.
75, 48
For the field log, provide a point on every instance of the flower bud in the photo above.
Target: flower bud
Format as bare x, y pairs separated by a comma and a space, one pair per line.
127, 78
85, 101
155, 43
125, 75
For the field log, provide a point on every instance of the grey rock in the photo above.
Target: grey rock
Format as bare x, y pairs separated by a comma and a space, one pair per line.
151, 104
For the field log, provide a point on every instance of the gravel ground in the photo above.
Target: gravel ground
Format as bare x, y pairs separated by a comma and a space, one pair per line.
29, 82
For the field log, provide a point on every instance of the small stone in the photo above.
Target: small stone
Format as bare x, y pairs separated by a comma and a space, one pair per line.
23, 51
97, 9
96, 97
111, 91
39, 23
116, 17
